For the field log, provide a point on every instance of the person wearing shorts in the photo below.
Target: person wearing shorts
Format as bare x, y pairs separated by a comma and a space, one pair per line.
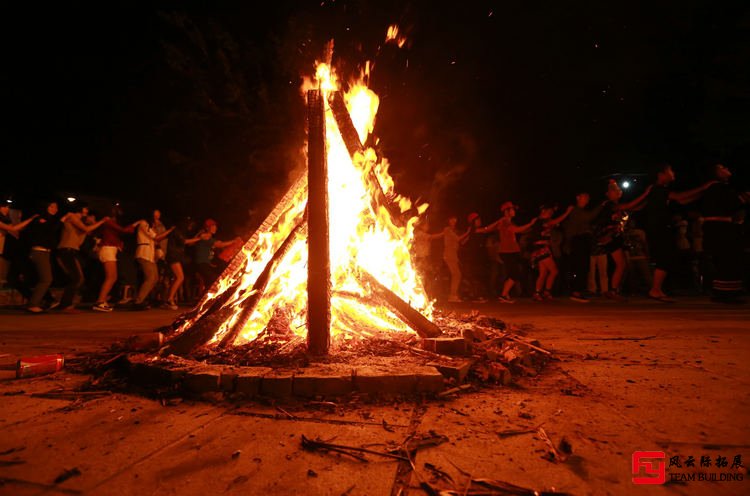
508, 248
111, 244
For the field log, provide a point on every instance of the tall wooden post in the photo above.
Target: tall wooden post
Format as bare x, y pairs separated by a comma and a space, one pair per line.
318, 259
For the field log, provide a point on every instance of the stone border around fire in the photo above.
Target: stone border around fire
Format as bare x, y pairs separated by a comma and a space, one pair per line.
324, 380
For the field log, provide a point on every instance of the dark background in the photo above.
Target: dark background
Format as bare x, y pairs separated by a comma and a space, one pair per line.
194, 107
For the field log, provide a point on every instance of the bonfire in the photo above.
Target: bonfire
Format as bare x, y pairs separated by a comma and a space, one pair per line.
332, 262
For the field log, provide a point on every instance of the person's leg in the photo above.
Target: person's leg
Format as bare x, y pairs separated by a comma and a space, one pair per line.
110, 277
552, 272
579, 258
658, 282
4, 269
68, 261
619, 258
591, 279
511, 268
43, 268
179, 277
601, 267
149, 280
455, 272
507, 286
541, 277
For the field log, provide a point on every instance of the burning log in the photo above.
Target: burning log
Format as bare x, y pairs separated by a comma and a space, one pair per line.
237, 264
318, 262
202, 331
354, 145
421, 324
251, 303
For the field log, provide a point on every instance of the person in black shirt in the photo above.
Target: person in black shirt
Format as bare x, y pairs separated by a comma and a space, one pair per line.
660, 232
608, 228
43, 234
722, 235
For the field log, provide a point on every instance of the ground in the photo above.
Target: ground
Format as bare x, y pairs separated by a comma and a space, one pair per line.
641, 376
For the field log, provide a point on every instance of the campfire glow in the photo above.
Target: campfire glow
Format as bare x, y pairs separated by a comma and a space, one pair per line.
363, 236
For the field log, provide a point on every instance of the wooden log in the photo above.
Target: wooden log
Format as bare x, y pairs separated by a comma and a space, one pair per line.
318, 260
354, 145
421, 324
198, 334
251, 303
237, 264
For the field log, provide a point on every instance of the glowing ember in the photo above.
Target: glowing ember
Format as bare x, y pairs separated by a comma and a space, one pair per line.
362, 237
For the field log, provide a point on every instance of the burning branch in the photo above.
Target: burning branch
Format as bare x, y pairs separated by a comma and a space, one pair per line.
202, 332
354, 145
421, 325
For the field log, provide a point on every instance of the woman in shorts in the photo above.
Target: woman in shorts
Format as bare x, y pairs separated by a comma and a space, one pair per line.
111, 243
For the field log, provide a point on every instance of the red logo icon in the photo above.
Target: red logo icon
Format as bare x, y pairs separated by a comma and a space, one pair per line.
652, 464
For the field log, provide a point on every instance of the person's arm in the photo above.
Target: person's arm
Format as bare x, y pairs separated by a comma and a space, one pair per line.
224, 244
523, 228
637, 203
17, 227
164, 234
435, 236
192, 241
592, 214
465, 236
489, 228
554, 222
689, 196
124, 230
83, 227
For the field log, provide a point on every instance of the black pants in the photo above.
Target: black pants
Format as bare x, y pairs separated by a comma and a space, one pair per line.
580, 251
723, 243
68, 260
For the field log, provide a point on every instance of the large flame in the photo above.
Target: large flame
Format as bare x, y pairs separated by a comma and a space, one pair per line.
361, 237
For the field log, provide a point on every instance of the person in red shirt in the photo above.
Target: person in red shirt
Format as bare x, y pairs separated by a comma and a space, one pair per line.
508, 248
111, 243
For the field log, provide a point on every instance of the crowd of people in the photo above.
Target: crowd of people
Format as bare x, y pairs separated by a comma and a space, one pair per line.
598, 247
107, 261
587, 249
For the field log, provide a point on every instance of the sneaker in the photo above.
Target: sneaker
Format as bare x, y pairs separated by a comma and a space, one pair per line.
505, 299
53, 305
454, 299
125, 300
579, 298
34, 309
71, 310
102, 307
169, 306
547, 295
537, 296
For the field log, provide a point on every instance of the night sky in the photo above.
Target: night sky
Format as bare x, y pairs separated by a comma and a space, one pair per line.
194, 107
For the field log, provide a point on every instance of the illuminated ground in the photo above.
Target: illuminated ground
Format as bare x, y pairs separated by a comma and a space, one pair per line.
683, 390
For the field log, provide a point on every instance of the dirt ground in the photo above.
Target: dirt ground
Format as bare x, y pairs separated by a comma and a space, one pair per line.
641, 376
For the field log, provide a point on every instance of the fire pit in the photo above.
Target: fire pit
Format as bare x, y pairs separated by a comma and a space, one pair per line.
324, 299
